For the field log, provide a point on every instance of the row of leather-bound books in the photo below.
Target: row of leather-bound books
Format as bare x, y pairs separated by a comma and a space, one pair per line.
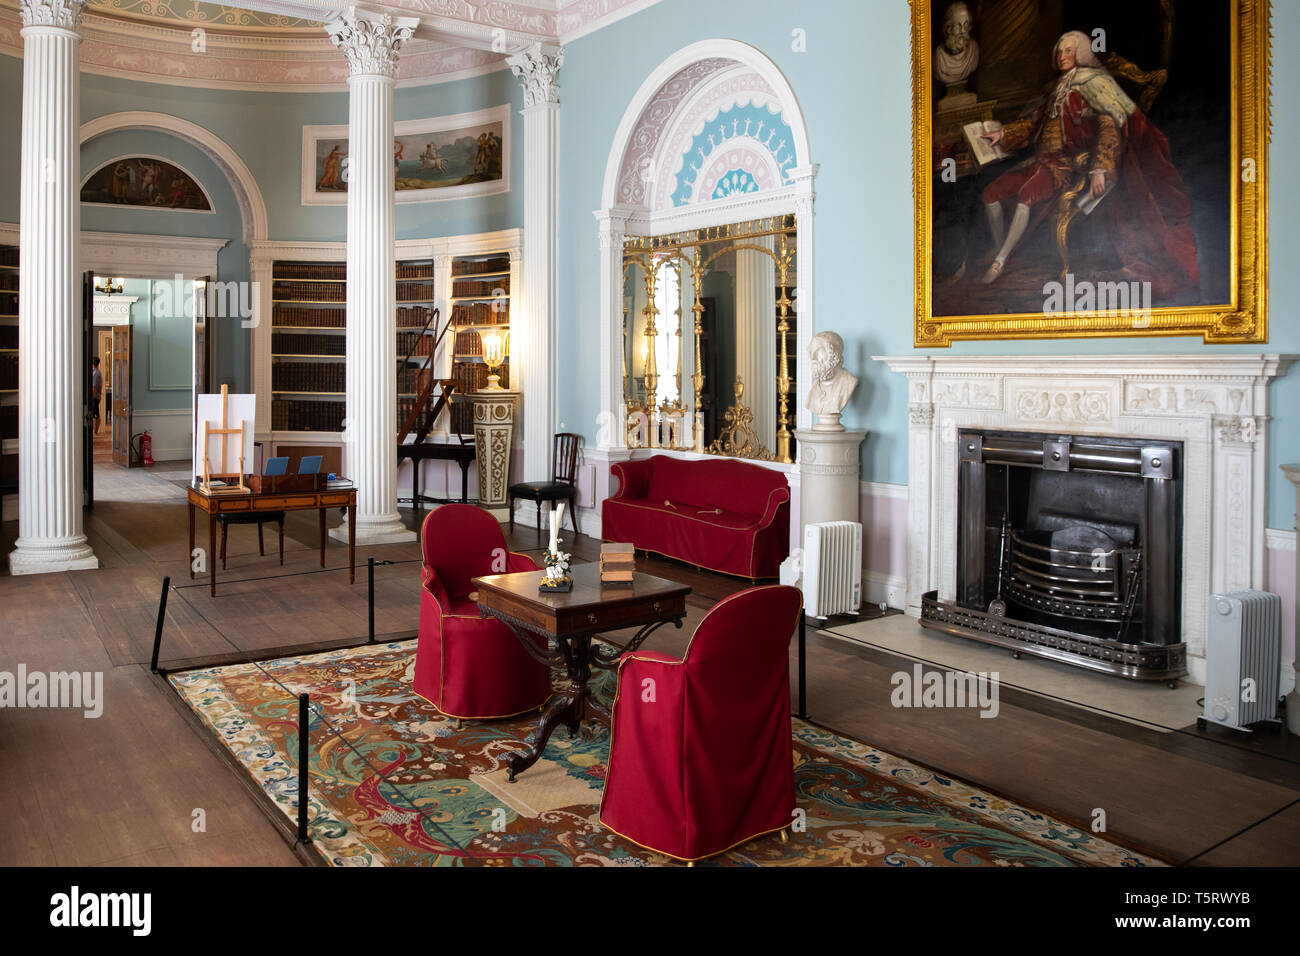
310, 270
8, 336
8, 421
412, 317
479, 313
496, 286
290, 415
284, 290
464, 267
290, 343
308, 377
307, 318
8, 372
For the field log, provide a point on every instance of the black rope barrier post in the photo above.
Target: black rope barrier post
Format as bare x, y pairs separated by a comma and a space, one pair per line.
158, 627
803, 683
370, 572
303, 764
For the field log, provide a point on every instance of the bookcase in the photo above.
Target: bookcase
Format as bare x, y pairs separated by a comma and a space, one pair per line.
8, 368
480, 305
299, 337
309, 341
308, 346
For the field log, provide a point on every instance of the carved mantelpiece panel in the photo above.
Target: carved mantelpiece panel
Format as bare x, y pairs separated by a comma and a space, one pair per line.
1216, 406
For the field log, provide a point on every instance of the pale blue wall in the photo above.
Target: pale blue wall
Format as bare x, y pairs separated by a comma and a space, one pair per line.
161, 347
854, 87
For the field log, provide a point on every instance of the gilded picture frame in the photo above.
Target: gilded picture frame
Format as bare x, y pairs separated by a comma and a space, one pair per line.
1221, 292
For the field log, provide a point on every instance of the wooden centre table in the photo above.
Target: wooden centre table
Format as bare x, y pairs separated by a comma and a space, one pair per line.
244, 502
568, 622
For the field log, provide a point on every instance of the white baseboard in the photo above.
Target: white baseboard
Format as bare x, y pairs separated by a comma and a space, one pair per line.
887, 589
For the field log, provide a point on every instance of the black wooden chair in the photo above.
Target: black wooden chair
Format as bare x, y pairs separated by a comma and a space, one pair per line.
258, 518
563, 485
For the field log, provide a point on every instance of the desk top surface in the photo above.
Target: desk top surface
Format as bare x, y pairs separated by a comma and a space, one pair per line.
521, 588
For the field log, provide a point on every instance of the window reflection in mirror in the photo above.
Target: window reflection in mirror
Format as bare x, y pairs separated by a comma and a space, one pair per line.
709, 331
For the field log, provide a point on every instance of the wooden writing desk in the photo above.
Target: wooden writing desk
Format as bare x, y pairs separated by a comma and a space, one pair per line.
569, 621
419, 452
244, 502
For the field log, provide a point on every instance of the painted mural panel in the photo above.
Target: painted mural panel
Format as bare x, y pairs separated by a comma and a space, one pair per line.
145, 181
442, 158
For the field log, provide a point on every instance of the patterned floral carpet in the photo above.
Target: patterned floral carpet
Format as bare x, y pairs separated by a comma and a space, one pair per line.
393, 783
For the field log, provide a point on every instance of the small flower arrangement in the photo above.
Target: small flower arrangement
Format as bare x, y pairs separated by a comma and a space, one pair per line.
557, 576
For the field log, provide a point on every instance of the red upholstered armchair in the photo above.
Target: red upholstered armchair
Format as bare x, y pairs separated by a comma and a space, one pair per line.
466, 665
701, 758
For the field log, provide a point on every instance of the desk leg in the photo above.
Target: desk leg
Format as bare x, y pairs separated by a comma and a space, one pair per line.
212, 554
568, 707
352, 542
464, 482
322, 537
189, 508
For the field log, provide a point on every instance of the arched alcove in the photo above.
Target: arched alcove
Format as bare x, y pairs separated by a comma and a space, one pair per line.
713, 136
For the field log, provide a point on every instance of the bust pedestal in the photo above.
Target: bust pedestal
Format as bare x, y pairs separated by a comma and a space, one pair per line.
1293, 699
829, 471
494, 426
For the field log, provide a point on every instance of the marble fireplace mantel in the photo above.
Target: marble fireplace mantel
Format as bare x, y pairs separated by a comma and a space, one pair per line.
1217, 405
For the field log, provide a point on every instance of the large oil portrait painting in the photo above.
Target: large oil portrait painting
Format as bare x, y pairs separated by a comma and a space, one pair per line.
1090, 168
447, 157
148, 181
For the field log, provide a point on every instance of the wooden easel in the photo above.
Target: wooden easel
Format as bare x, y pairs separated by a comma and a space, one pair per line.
223, 431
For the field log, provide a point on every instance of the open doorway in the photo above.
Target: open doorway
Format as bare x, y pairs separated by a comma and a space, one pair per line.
149, 336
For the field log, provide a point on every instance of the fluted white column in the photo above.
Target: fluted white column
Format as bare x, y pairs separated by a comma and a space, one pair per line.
51, 366
370, 432
533, 337
756, 335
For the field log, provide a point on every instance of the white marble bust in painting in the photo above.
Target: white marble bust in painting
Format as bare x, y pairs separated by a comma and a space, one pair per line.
832, 384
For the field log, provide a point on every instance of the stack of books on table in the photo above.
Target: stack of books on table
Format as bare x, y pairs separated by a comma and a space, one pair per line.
617, 564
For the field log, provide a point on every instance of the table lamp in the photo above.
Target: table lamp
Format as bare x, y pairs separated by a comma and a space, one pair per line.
495, 348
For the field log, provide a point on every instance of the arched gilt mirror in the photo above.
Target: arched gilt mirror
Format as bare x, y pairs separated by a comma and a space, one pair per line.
706, 235
710, 331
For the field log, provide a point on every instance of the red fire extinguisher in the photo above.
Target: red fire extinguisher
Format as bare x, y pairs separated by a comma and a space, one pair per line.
144, 448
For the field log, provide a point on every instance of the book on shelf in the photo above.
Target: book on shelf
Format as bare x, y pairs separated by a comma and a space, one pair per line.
461, 267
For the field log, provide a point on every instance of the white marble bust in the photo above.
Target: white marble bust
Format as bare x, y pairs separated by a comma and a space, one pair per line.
957, 56
832, 384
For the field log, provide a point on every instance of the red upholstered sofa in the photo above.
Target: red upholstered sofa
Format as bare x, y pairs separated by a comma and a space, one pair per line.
724, 515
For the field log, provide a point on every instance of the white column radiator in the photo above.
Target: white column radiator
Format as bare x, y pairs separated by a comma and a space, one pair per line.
1243, 658
832, 568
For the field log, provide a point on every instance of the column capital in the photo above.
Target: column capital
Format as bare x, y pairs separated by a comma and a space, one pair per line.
538, 69
65, 14
370, 42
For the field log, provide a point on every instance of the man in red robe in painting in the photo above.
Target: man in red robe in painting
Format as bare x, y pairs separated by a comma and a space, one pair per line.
1088, 114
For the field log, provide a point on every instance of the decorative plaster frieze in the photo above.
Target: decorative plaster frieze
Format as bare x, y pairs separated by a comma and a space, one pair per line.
538, 70
370, 43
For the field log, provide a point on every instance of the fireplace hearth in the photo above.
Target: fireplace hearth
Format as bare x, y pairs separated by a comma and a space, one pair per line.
1069, 547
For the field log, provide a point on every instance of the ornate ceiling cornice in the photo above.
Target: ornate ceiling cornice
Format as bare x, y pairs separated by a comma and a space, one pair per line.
283, 45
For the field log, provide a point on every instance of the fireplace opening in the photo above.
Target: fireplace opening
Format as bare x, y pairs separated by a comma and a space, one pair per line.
1069, 547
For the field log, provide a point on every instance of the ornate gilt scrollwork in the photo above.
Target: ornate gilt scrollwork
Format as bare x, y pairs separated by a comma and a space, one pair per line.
738, 438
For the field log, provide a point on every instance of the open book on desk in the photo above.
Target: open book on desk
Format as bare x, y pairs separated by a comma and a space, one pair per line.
980, 148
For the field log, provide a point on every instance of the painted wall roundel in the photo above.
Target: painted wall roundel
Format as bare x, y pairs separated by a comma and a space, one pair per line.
743, 148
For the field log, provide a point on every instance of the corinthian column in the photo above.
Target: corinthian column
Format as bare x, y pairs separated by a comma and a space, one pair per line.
533, 341
51, 367
370, 432
756, 334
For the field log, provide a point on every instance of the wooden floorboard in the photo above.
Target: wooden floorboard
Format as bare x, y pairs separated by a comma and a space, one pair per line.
122, 789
